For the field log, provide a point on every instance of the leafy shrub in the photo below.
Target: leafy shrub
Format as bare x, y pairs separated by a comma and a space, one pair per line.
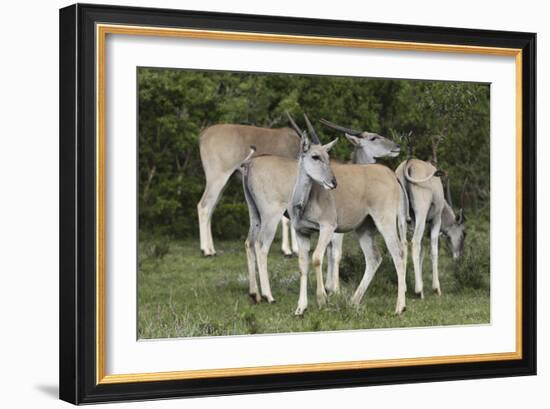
155, 249
231, 221
472, 269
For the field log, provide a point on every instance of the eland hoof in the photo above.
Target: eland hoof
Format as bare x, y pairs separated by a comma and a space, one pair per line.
400, 310
437, 291
300, 311
255, 297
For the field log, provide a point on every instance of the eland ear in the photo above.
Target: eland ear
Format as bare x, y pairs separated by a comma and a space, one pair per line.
305, 144
460, 216
353, 139
329, 145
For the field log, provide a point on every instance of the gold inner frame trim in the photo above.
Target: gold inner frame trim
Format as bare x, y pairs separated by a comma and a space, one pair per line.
101, 33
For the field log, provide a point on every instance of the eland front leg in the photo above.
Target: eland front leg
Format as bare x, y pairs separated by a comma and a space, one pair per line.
285, 237
332, 283
325, 236
293, 240
303, 261
434, 235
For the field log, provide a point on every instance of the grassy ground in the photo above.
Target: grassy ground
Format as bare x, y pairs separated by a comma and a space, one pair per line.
182, 294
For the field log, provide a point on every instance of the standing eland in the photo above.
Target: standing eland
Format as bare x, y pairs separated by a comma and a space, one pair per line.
317, 204
223, 148
368, 147
425, 190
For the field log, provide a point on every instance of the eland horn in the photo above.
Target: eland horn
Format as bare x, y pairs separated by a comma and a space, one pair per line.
336, 127
296, 127
314, 137
448, 192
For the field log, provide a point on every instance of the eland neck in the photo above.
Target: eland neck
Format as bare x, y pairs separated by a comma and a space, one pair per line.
362, 157
448, 217
300, 194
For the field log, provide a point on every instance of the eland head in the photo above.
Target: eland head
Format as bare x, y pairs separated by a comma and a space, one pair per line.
369, 145
455, 232
314, 156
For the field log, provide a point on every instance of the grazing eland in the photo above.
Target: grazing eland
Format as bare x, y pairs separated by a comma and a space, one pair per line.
223, 148
368, 197
425, 190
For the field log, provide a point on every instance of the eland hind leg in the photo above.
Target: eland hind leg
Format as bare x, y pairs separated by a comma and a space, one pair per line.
266, 234
250, 246
214, 188
372, 261
388, 229
416, 244
253, 291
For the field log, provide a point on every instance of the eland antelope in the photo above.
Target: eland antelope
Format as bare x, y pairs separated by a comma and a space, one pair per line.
425, 190
223, 148
368, 147
368, 197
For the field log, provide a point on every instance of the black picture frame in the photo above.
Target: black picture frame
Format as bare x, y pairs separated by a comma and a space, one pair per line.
78, 360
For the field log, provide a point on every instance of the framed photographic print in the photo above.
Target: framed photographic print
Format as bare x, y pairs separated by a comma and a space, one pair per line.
258, 203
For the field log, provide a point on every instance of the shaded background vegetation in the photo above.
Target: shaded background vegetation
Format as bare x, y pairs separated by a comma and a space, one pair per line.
449, 123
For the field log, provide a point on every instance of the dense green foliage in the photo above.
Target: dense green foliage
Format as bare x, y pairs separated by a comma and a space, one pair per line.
449, 121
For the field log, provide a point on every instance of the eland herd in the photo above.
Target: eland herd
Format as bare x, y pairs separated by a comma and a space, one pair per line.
288, 176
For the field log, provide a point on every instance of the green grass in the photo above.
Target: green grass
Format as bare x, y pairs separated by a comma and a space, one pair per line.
182, 294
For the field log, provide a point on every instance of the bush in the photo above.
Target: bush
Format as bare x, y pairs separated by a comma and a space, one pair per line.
472, 269
155, 249
231, 221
